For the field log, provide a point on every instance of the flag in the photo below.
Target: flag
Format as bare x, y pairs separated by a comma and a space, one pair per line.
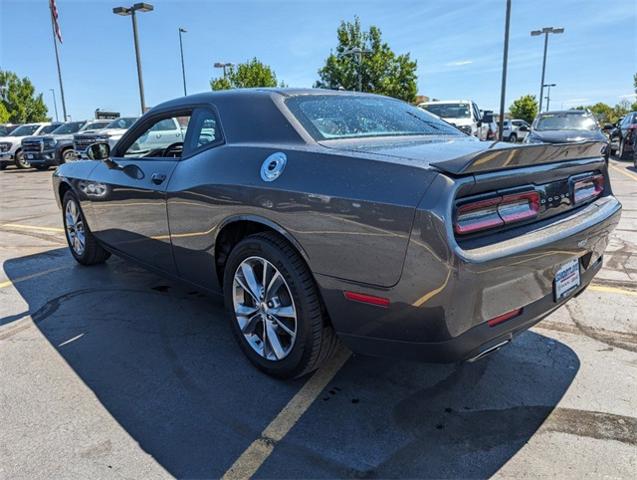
54, 17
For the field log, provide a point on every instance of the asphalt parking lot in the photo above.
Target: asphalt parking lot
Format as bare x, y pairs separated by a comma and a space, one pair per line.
111, 371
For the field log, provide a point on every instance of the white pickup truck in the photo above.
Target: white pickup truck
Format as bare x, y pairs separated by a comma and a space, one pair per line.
462, 114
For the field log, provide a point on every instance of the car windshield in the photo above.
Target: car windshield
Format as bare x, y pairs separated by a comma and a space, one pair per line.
342, 116
121, 123
49, 128
4, 130
449, 110
95, 125
566, 121
70, 127
24, 130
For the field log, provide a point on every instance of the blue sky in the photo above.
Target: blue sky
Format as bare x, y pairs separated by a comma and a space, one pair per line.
457, 43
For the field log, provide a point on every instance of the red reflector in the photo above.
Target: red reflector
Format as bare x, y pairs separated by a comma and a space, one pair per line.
370, 299
504, 317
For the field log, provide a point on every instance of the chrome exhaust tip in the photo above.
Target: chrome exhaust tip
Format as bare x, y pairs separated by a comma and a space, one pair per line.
489, 350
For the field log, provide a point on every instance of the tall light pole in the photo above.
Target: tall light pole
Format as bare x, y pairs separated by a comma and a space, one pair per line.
55, 105
181, 49
224, 66
546, 31
125, 11
358, 52
548, 94
505, 59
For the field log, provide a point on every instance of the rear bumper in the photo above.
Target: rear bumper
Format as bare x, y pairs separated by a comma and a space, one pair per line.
474, 341
439, 309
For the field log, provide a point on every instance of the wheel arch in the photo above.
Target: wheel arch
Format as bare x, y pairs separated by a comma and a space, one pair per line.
233, 229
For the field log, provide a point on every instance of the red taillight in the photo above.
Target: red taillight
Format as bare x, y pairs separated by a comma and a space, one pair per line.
369, 299
504, 317
588, 188
496, 211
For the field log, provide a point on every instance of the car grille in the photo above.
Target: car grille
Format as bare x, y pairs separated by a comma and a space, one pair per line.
32, 146
81, 142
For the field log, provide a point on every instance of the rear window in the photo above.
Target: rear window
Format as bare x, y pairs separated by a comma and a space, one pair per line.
328, 117
566, 121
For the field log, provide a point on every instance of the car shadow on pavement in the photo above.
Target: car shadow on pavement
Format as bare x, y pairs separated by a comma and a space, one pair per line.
161, 360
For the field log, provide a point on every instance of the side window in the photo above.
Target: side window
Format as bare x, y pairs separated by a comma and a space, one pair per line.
163, 138
204, 129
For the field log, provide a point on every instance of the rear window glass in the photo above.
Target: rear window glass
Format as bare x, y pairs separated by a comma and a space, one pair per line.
328, 117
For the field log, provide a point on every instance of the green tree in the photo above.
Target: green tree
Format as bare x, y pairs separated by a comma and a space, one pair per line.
251, 74
382, 71
524, 108
633, 107
4, 114
20, 100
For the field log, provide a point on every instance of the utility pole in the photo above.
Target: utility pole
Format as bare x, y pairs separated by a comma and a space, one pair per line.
548, 95
181, 49
125, 11
55, 105
358, 52
505, 59
546, 31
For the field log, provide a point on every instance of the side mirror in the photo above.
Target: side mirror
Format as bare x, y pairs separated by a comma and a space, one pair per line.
479, 123
608, 126
98, 151
524, 128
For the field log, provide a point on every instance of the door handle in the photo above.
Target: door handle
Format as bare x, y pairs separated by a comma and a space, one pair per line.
158, 178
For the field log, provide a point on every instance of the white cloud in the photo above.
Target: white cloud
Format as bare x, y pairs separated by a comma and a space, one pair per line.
630, 95
458, 63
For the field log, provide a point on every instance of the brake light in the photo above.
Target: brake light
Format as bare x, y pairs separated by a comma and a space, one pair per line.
496, 212
588, 188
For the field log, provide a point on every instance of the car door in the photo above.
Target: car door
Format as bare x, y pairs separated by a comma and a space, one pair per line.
129, 192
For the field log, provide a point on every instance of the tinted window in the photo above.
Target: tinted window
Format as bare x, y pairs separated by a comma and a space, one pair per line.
449, 110
204, 129
95, 125
158, 141
24, 130
49, 128
70, 127
342, 116
122, 123
566, 121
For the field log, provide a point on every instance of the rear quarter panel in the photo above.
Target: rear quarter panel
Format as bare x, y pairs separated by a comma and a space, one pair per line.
350, 216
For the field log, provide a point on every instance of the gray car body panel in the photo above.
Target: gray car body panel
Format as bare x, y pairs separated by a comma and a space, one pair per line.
372, 216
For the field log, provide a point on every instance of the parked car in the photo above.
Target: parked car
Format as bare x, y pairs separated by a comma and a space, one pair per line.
463, 114
566, 126
11, 147
111, 134
623, 136
321, 214
55, 148
515, 130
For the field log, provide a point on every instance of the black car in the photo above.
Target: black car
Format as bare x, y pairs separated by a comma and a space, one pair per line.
567, 126
623, 138
319, 214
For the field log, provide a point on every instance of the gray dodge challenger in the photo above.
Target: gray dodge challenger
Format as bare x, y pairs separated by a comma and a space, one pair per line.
322, 216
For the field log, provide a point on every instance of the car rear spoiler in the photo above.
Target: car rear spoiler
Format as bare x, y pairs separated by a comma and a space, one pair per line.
502, 156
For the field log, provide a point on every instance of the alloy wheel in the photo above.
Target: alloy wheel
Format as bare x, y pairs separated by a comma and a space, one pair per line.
74, 227
21, 160
264, 308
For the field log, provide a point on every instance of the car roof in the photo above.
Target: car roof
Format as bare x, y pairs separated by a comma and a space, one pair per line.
555, 112
434, 102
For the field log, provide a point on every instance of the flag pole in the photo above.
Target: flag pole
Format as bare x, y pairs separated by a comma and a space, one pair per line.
57, 60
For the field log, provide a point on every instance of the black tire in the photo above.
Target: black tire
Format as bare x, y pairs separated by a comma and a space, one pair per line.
513, 138
621, 152
315, 337
93, 252
67, 155
3, 166
20, 161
